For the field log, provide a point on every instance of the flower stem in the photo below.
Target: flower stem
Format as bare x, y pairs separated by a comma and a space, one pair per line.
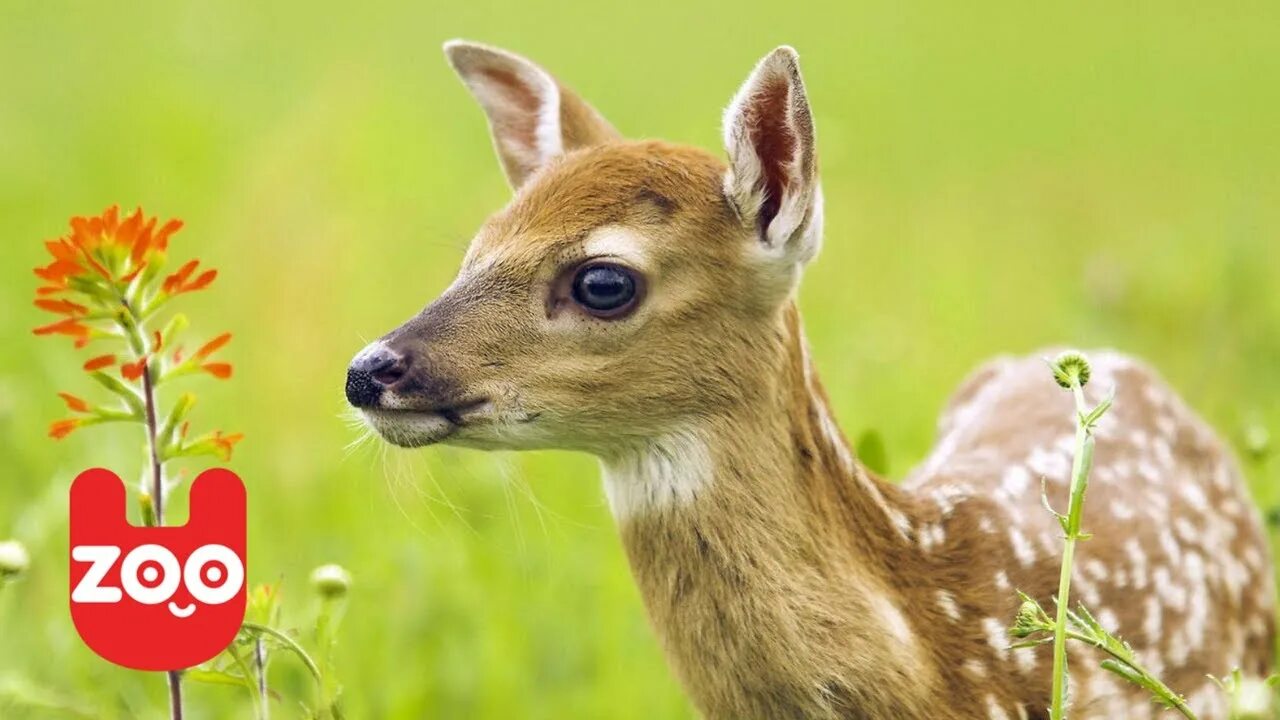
1079, 481
173, 677
260, 662
157, 476
1151, 682
175, 693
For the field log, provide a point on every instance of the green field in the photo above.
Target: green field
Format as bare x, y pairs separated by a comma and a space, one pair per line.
999, 176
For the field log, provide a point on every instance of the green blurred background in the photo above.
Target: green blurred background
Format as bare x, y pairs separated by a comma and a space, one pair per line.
999, 176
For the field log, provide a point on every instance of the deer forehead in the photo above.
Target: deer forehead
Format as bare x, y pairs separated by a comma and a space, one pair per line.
668, 193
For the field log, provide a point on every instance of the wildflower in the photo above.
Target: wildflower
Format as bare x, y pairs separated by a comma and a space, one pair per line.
74, 404
180, 282
225, 443
61, 307
99, 362
331, 581
212, 346
62, 428
70, 327
1031, 619
264, 600
1070, 366
220, 370
14, 559
1257, 441
1252, 699
134, 370
104, 279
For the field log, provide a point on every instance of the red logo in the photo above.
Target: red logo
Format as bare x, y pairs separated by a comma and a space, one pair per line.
157, 598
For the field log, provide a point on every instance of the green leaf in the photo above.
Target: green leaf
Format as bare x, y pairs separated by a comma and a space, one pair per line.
217, 677
171, 329
176, 415
870, 451
1090, 420
122, 391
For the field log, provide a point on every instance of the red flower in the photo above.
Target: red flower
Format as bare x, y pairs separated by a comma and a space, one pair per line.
220, 370
62, 428
103, 278
74, 403
105, 246
226, 443
99, 362
212, 346
69, 326
134, 370
181, 282
61, 307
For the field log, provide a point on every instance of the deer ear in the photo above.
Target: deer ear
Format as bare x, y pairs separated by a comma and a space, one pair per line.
533, 119
773, 172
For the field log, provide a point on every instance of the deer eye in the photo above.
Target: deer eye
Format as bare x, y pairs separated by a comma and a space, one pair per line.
605, 290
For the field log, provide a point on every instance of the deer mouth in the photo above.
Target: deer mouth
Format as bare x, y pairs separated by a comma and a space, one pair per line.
408, 426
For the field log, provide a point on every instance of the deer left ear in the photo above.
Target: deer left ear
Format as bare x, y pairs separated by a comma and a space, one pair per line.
532, 117
773, 171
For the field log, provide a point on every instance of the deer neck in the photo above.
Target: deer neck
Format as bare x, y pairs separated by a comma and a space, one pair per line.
763, 551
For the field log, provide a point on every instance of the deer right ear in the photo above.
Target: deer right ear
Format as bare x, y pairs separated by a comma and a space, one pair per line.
773, 171
533, 119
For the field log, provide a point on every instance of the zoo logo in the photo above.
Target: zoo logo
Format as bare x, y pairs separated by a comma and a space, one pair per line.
157, 598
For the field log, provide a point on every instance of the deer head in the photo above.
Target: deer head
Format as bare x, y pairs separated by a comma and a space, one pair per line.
628, 289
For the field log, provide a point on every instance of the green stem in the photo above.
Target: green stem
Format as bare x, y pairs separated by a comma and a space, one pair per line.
289, 643
1165, 694
260, 662
1079, 481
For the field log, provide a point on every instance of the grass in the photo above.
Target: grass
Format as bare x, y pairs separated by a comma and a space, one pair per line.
998, 177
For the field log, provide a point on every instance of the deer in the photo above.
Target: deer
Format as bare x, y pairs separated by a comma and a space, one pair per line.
637, 300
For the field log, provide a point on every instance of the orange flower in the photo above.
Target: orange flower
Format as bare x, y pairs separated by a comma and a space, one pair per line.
93, 279
220, 370
212, 346
62, 428
225, 443
61, 307
134, 370
58, 271
99, 362
181, 282
69, 326
74, 404
105, 246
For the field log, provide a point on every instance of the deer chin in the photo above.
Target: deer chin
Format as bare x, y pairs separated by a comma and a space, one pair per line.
410, 428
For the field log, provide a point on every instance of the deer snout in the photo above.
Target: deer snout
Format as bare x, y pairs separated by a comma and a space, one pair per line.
372, 370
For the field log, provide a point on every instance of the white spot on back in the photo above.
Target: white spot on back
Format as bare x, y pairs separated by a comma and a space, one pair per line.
1022, 548
997, 637
949, 606
994, 710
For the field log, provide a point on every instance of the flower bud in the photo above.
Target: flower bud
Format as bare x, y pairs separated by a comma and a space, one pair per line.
1070, 366
331, 581
1257, 441
14, 559
1253, 699
1031, 619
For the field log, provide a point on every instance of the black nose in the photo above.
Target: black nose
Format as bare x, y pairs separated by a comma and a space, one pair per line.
373, 370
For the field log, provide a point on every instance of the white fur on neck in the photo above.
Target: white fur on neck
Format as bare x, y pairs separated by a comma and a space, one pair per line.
663, 474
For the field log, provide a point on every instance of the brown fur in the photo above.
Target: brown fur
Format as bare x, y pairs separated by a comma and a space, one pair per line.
783, 579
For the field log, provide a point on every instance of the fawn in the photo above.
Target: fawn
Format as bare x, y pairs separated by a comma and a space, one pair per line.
636, 301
